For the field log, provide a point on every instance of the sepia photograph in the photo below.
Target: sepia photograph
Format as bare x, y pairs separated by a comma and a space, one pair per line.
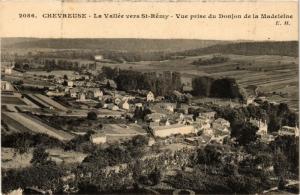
149, 99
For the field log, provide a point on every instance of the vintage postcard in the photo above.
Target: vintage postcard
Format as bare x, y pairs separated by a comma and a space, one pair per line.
149, 97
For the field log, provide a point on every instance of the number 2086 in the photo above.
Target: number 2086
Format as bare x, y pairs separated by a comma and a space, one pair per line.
28, 15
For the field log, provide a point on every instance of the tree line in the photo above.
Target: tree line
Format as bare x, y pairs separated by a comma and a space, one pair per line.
213, 60
165, 83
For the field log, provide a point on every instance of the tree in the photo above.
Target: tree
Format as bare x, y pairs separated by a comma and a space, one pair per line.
280, 165
65, 77
99, 105
22, 145
40, 156
244, 132
289, 146
211, 154
140, 140
155, 176
92, 115
274, 123
26, 67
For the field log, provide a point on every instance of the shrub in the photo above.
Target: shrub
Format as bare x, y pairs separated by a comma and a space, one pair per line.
92, 115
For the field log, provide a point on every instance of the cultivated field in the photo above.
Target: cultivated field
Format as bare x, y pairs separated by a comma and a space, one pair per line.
24, 122
51, 102
12, 100
116, 132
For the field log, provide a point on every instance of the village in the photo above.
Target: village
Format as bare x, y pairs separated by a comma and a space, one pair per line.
69, 104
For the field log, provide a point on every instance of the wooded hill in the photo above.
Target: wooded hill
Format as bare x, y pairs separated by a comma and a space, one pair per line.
284, 48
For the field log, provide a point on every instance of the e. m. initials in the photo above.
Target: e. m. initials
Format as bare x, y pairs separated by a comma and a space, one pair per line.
284, 23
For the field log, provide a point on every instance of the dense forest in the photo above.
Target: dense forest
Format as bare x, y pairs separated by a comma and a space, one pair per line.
160, 84
221, 87
166, 82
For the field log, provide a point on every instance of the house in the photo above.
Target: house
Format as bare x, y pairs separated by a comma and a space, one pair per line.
117, 101
262, 126
138, 105
98, 57
208, 132
70, 83
79, 83
160, 98
124, 105
204, 125
208, 115
250, 100
7, 70
169, 107
187, 88
203, 139
219, 139
92, 93
127, 97
112, 107
73, 92
98, 138
163, 107
15, 192
180, 117
153, 124
151, 141
188, 118
177, 95
164, 131
221, 125
111, 84
165, 122
107, 98
81, 96
267, 138
150, 97
58, 80
55, 93
66, 90
6, 86
89, 94
98, 93
287, 130
155, 117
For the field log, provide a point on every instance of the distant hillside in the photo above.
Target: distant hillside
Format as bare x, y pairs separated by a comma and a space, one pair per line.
285, 48
126, 45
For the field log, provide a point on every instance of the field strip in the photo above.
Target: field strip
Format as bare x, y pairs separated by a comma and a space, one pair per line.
62, 133
38, 127
265, 81
231, 73
51, 102
37, 101
28, 102
280, 83
264, 76
11, 121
